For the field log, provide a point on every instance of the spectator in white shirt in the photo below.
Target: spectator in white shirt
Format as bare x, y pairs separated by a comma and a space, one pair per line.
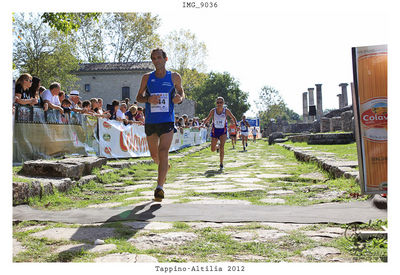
120, 115
50, 97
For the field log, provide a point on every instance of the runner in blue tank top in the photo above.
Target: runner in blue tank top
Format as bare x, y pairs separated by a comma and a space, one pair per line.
160, 90
219, 127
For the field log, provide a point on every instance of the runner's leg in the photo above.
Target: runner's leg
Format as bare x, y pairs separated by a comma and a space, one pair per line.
222, 140
163, 150
153, 141
214, 144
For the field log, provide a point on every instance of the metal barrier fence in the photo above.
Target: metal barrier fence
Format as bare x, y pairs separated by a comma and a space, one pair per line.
36, 114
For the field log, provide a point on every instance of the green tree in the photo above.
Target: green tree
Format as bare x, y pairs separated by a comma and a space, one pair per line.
191, 78
44, 52
91, 40
220, 84
186, 55
185, 51
130, 36
271, 106
67, 22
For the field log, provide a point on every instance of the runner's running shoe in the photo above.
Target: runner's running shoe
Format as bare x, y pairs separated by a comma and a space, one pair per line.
158, 194
221, 166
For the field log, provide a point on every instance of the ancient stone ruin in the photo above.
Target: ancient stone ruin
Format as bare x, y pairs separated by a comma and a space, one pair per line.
314, 121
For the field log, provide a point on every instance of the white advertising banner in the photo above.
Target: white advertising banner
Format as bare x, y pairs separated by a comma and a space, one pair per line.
124, 141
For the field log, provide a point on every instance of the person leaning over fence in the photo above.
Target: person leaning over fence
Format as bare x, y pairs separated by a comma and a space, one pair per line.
51, 99
61, 96
160, 90
114, 108
87, 108
34, 89
139, 115
120, 116
22, 95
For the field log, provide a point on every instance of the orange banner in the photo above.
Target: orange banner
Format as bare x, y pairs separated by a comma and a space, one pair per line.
370, 106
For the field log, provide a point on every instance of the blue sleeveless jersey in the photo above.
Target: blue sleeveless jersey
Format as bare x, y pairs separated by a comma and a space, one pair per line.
164, 110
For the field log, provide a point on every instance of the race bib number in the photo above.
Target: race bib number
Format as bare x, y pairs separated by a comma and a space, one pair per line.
163, 103
219, 124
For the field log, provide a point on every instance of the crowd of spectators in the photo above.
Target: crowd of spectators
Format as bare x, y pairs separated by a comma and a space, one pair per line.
28, 91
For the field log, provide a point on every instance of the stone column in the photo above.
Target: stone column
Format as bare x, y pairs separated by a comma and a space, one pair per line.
305, 107
319, 100
344, 93
340, 96
311, 102
310, 96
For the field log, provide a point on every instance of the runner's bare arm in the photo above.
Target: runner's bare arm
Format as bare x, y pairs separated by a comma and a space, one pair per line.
141, 95
229, 113
209, 116
180, 94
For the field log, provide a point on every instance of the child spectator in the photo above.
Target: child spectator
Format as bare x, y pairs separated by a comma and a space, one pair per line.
86, 108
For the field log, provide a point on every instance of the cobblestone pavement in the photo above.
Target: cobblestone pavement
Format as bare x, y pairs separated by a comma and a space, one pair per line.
263, 175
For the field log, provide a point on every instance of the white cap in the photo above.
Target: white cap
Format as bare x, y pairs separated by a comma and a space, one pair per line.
74, 92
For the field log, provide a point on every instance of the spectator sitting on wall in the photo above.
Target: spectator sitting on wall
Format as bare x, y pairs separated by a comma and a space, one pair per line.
139, 115
22, 95
50, 97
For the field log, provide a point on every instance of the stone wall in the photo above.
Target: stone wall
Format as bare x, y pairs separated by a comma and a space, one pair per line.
108, 86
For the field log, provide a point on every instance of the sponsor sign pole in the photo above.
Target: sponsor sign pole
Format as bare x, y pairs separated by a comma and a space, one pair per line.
370, 112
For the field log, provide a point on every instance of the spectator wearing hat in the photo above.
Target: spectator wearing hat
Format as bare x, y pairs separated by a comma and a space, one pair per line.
51, 99
75, 98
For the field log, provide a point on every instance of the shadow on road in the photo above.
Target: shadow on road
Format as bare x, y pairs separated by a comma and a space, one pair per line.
89, 234
212, 173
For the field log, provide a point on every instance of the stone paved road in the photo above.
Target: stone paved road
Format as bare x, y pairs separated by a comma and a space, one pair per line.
264, 176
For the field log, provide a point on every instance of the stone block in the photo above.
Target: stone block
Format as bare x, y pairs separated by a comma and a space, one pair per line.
325, 125
52, 168
336, 124
73, 168
347, 121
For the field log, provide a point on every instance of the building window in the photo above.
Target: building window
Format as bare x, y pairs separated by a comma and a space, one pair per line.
87, 87
126, 93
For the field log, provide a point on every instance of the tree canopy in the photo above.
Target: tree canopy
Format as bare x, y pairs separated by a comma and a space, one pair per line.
220, 84
272, 107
